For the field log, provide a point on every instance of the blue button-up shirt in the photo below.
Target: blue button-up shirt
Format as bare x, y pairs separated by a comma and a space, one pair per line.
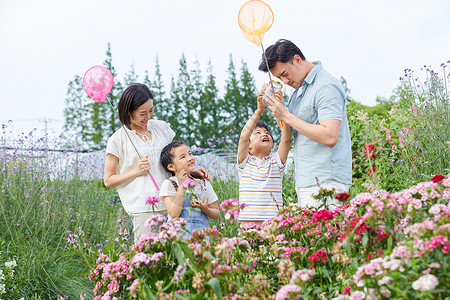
321, 97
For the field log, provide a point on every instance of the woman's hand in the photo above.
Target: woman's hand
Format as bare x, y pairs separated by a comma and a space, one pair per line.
201, 173
143, 166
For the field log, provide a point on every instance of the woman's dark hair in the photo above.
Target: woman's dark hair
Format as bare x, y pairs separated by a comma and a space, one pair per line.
166, 157
134, 96
281, 51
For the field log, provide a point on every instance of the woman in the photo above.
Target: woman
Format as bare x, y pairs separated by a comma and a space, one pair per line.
123, 167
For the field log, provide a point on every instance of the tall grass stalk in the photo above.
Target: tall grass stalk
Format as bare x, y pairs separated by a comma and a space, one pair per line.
39, 206
427, 148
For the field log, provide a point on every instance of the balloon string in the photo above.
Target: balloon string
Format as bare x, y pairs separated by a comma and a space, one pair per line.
270, 76
148, 172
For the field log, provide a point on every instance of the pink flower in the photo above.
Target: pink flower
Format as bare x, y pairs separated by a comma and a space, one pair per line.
303, 275
140, 258
133, 288
152, 200
189, 183
288, 290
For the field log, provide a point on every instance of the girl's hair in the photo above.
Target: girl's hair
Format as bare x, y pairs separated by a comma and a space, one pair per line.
134, 96
167, 154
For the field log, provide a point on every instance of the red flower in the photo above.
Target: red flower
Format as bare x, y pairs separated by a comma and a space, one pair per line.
371, 172
346, 291
368, 150
318, 256
342, 196
323, 215
357, 223
437, 178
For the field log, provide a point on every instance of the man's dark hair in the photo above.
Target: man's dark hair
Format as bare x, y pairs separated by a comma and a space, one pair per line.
281, 51
134, 96
167, 155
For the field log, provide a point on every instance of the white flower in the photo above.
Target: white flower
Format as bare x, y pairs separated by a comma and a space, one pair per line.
384, 280
10, 264
385, 292
425, 283
357, 295
436, 209
328, 188
227, 216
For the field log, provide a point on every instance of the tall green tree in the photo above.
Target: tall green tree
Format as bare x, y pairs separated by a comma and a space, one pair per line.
209, 116
194, 106
76, 118
161, 103
248, 92
232, 100
175, 111
113, 97
94, 122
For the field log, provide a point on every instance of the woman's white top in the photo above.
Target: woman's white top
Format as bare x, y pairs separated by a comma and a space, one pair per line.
134, 194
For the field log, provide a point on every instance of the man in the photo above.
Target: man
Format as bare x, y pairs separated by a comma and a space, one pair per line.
318, 116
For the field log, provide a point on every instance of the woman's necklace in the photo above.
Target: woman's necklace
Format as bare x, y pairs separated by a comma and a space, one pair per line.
144, 136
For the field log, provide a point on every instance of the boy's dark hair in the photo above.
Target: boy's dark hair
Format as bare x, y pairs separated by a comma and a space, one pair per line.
281, 51
134, 96
259, 124
166, 157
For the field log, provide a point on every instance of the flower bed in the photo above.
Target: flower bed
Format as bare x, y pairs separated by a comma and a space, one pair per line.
377, 245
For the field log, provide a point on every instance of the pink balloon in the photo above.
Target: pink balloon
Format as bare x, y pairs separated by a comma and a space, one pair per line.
98, 82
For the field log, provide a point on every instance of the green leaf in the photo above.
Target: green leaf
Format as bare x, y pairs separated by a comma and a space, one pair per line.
188, 253
389, 244
215, 286
365, 239
145, 293
178, 254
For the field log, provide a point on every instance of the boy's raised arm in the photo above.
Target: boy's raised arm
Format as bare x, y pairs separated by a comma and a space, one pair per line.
244, 139
286, 133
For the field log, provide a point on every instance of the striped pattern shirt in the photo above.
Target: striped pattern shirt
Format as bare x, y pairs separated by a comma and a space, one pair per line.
260, 187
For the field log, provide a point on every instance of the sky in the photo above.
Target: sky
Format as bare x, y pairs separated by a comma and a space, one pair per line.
45, 43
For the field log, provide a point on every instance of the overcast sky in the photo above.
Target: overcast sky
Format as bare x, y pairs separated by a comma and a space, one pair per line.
45, 43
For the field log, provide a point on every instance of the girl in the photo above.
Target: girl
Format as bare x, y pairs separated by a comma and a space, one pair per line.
177, 159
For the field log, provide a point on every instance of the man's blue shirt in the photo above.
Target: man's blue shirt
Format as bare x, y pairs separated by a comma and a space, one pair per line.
321, 97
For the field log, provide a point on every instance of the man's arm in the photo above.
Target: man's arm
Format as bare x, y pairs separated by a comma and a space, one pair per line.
325, 133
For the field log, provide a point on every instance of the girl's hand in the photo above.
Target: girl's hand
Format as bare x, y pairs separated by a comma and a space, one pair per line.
182, 176
143, 166
199, 204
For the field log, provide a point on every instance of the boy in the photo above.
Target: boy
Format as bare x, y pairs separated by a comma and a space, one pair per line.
177, 159
260, 171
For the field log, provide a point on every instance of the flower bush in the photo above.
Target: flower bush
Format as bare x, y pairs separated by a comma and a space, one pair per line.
377, 245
